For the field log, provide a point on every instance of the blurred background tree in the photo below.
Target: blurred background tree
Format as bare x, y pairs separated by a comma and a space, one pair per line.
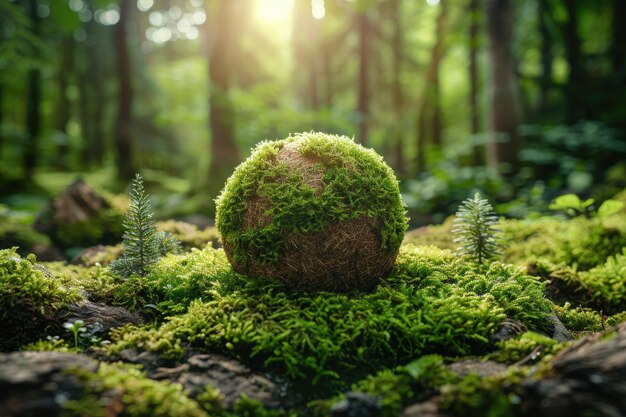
518, 99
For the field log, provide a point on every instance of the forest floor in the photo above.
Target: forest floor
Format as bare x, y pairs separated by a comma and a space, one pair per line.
539, 332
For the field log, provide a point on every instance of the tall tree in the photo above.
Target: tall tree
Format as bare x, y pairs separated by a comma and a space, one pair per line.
503, 105
305, 38
575, 82
33, 102
124, 122
224, 153
397, 41
474, 28
618, 46
362, 25
546, 55
429, 124
63, 107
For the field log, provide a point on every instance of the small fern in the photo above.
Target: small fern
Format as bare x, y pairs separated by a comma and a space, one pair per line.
141, 243
474, 229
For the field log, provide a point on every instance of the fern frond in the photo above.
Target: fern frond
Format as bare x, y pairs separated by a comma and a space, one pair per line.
475, 231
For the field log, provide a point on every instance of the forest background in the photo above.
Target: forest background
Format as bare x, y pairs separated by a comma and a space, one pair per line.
522, 100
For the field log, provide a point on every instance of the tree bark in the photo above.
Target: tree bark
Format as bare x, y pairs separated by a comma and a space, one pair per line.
224, 153
575, 83
429, 126
123, 125
503, 105
618, 46
64, 104
474, 10
33, 102
305, 38
362, 26
398, 96
546, 55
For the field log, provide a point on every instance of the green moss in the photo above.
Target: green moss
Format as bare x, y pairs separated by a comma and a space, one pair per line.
397, 388
579, 319
477, 396
50, 344
28, 298
439, 235
136, 395
103, 228
427, 305
580, 243
96, 283
518, 348
605, 283
189, 235
356, 183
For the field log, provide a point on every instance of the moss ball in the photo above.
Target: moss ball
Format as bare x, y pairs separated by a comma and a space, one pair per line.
315, 211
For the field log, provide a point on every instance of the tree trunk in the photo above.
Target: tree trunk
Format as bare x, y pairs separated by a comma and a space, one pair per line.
305, 35
503, 106
1, 119
224, 153
429, 126
33, 102
398, 96
546, 56
618, 46
575, 82
64, 104
362, 25
474, 10
123, 125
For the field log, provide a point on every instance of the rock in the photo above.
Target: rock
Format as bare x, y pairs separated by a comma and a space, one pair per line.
561, 334
587, 378
357, 404
36, 384
232, 378
79, 217
106, 316
482, 368
509, 328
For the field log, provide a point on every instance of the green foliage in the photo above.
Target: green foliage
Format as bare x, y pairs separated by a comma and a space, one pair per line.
139, 396
51, 343
474, 229
75, 328
430, 303
518, 348
397, 388
356, 183
605, 283
573, 206
579, 319
189, 235
24, 285
142, 246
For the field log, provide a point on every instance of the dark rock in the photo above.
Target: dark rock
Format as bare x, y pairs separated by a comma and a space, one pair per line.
35, 384
587, 378
509, 328
475, 366
101, 317
232, 378
561, 334
78, 202
149, 360
357, 404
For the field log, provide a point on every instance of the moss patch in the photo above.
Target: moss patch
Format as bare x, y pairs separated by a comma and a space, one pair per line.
306, 184
432, 302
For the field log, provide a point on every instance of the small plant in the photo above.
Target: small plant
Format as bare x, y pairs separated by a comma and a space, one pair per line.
474, 229
143, 245
76, 328
574, 206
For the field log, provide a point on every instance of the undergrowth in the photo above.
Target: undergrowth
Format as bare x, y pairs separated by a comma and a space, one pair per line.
431, 303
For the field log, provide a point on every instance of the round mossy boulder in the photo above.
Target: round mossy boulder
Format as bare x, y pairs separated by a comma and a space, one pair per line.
315, 211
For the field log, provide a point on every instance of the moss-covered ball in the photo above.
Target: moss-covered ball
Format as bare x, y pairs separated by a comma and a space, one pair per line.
315, 211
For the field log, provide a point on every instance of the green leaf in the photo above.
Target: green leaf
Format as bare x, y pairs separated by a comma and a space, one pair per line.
565, 202
65, 17
610, 207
